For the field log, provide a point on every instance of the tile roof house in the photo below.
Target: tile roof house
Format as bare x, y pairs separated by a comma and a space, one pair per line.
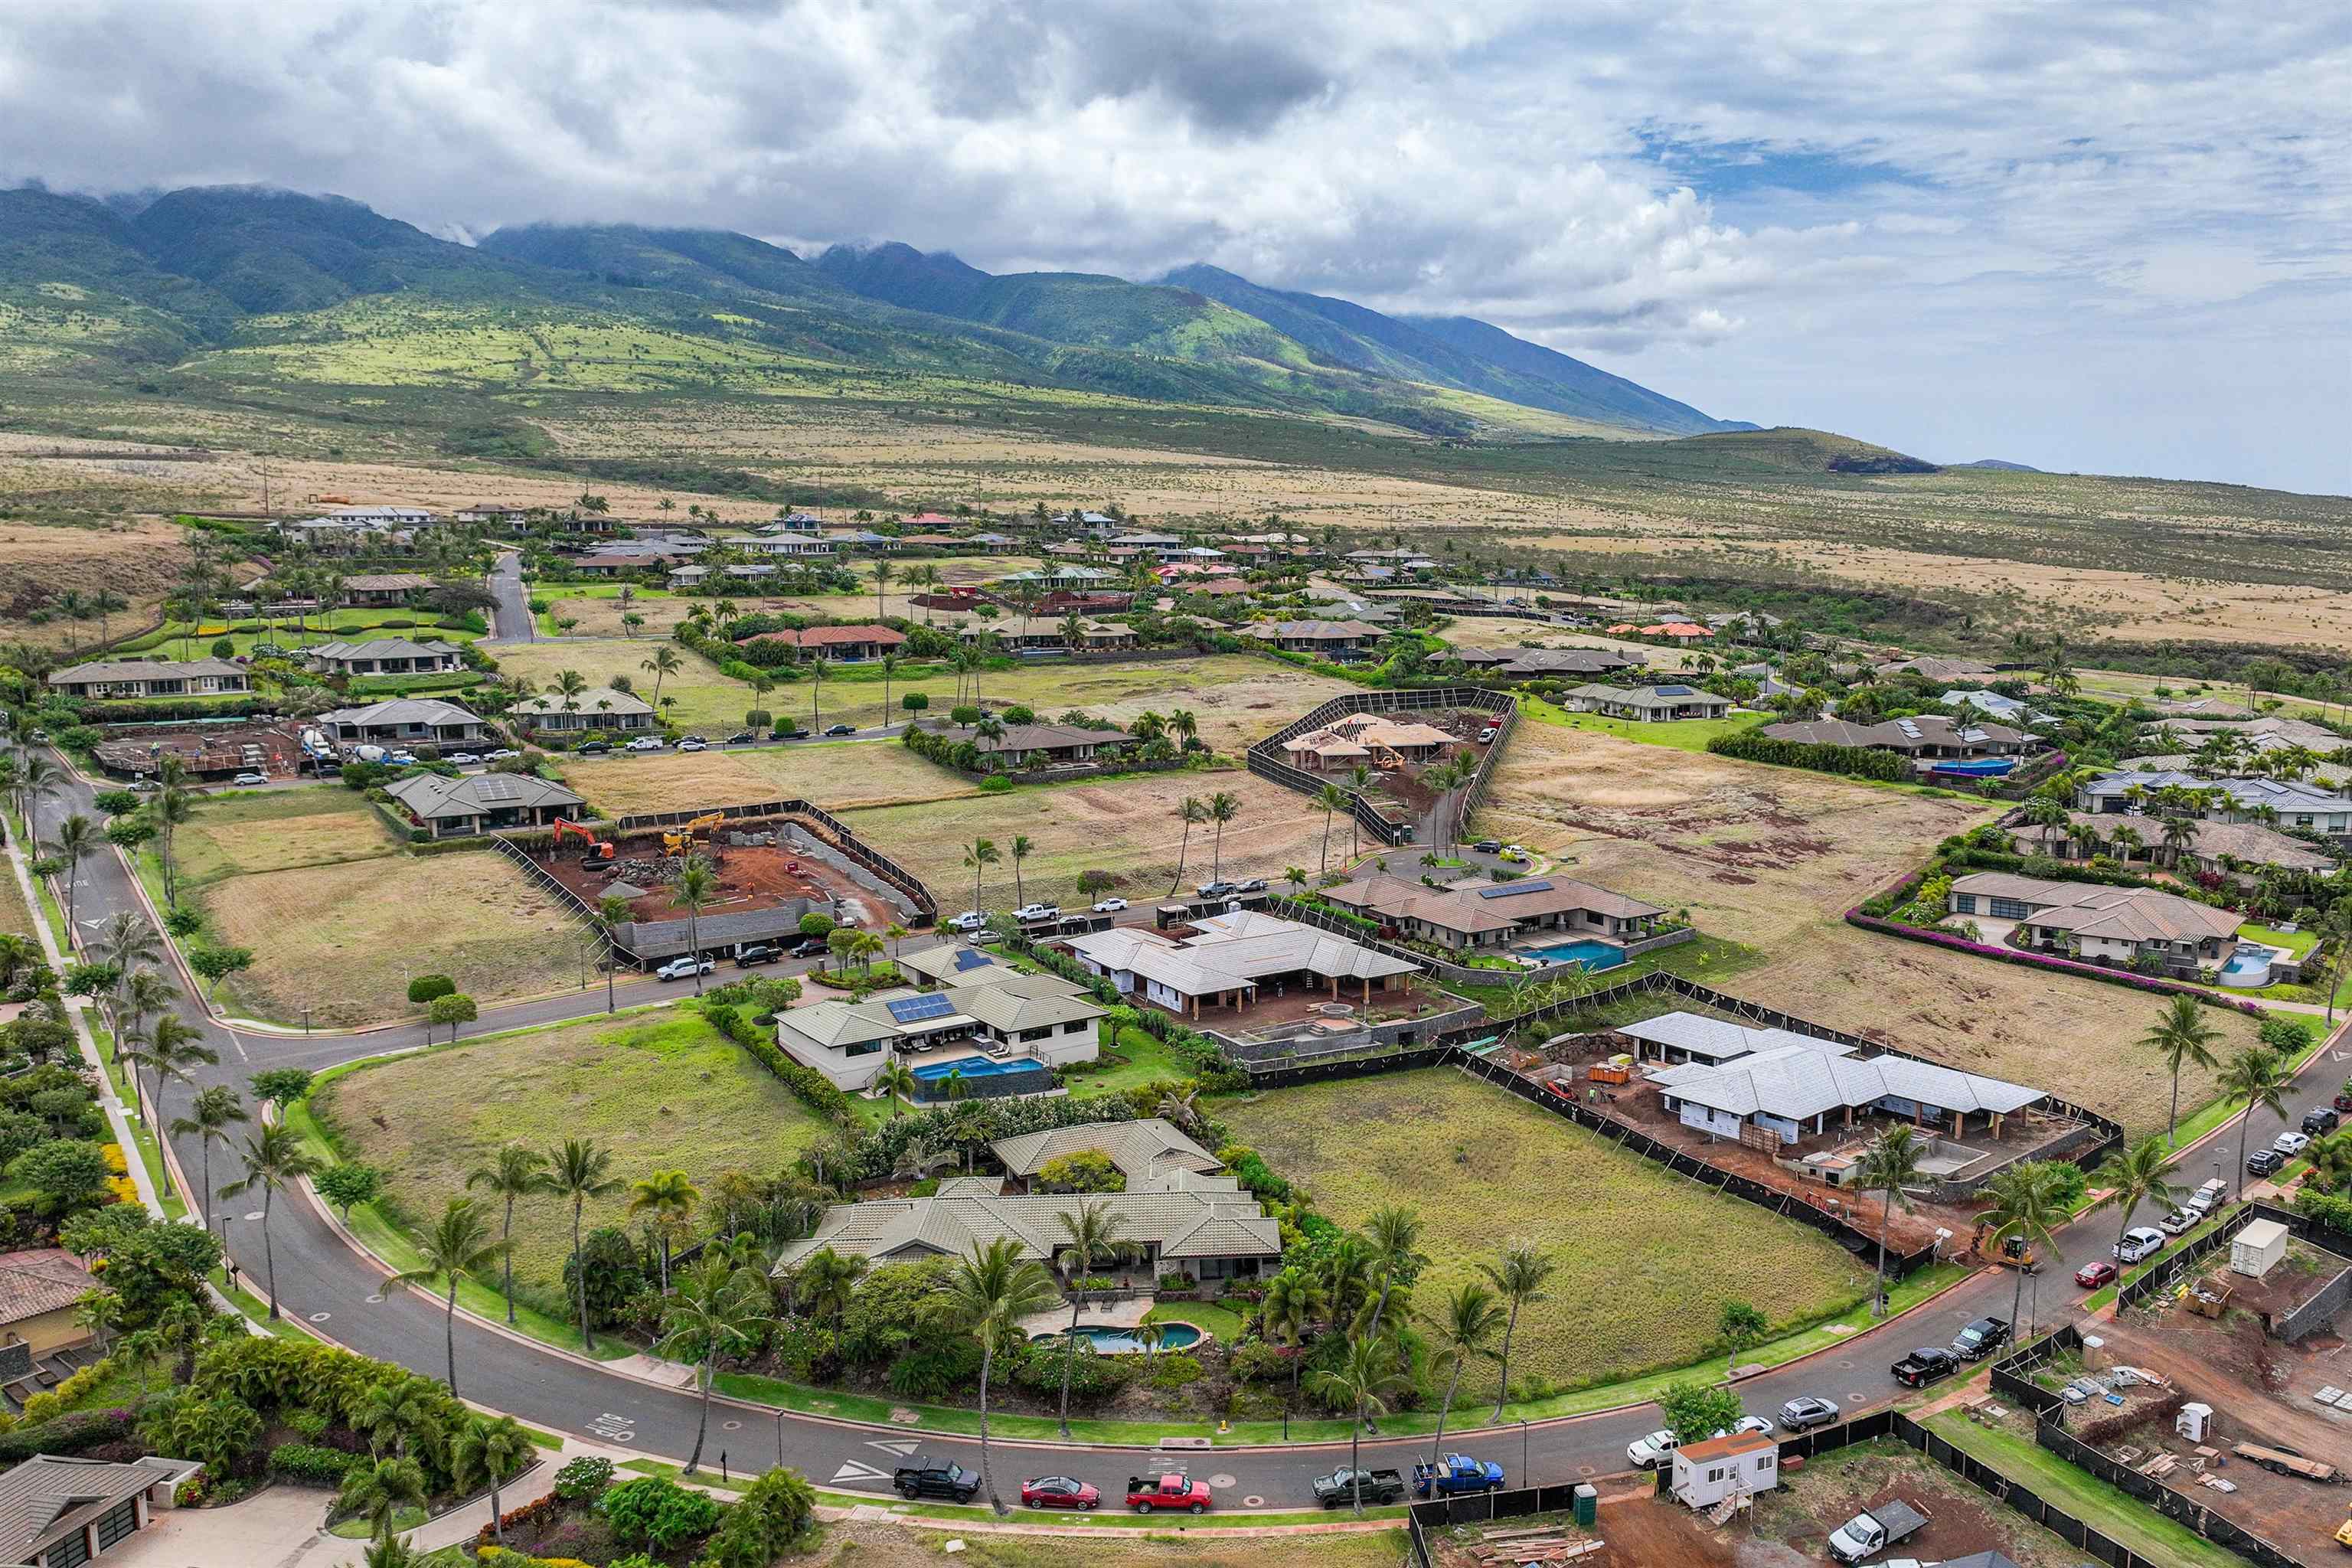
1035, 745
1535, 663
1939, 671
1315, 637
1226, 961
1647, 704
151, 678
981, 1023
60, 1511
2299, 806
598, 708
1360, 738
1482, 913
2091, 921
386, 655
38, 1288
1922, 735
481, 803
2213, 843
384, 588
852, 643
409, 719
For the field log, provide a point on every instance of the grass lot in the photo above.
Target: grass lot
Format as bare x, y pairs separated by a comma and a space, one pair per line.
834, 774
343, 941
15, 916
1772, 857
277, 830
1686, 735
2114, 1513
1113, 1541
664, 1094
350, 626
1143, 1058
1484, 1169
707, 700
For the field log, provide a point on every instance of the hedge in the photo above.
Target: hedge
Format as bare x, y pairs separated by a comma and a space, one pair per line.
812, 1088
315, 1466
84, 1429
1855, 917
1847, 762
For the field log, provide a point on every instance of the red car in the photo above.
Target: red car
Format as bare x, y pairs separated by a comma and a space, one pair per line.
2090, 1276
1057, 1491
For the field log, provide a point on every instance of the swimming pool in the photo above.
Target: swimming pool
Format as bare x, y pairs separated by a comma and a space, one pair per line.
1593, 955
2249, 968
974, 1067
1979, 767
1122, 1342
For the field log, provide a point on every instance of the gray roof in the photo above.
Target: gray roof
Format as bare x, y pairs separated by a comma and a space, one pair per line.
384, 648
403, 710
1810, 1078
2245, 793
1233, 952
51, 1496
1183, 1223
142, 669
2094, 910
1146, 1152
667, 939
1714, 1039
431, 796
587, 702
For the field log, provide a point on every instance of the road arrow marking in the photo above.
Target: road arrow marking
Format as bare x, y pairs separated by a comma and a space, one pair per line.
902, 1447
852, 1473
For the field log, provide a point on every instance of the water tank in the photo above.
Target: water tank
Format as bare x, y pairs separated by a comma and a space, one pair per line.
2193, 1422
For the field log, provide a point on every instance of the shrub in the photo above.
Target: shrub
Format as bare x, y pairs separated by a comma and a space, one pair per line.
771, 1514
313, 1466
937, 1369
309, 1424
426, 987
588, 1540
915, 702
1175, 1369
582, 1479
995, 783
1257, 1361
1081, 1171
655, 1511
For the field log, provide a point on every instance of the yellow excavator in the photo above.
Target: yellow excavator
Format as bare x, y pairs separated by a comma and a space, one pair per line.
2009, 1252
682, 841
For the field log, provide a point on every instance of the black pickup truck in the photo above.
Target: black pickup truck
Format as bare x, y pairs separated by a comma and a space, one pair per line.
1925, 1366
936, 1477
1340, 1489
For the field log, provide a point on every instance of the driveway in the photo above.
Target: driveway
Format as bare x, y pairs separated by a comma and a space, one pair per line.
276, 1528
511, 618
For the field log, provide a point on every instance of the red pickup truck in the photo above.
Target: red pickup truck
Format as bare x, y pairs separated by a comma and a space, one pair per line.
1177, 1490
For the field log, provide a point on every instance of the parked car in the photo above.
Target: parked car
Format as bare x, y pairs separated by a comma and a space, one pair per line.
936, 1477
1343, 1486
1058, 1491
742, 738
1176, 1491
1110, 906
2343, 1101
685, 968
247, 781
1746, 1426
1487, 735
757, 953
145, 785
811, 947
1982, 1337
644, 743
1038, 913
2262, 1162
402, 759
694, 743
1806, 1412
2321, 1119
841, 728
504, 753
2139, 1242
970, 920
1255, 885
1652, 1452
1216, 889
1455, 1475
2291, 1143
2180, 1222
1488, 847
1513, 853
595, 748
2090, 1276
1929, 1364
1868, 1533
2208, 1196
463, 759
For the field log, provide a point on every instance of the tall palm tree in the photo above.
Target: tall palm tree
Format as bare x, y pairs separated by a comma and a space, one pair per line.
2133, 1175
1395, 1233
77, 838
169, 1047
1366, 1379
171, 806
2259, 1076
988, 1295
690, 890
512, 1174
145, 994
883, 573
458, 1250
569, 685
1224, 807
1020, 848
1294, 1302
1330, 800
826, 1280
817, 665
124, 943
889, 670
273, 1157
670, 1198
719, 1310
1191, 812
896, 1080
491, 1451
1518, 1276
2024, 1205
664, 663
1465, 1328
1890, 1166
977, 854
612, 914
380, 1490
1089, 1233
213, 1113
39, 777
2181, 1037
577, 1170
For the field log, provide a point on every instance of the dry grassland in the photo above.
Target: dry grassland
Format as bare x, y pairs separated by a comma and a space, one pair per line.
233, 836
342, 941
138, 560
1773, 857
838, 776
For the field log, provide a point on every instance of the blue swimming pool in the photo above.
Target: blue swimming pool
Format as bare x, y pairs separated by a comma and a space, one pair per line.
1593, 955
1122, 1342
973, 1067
1979, 767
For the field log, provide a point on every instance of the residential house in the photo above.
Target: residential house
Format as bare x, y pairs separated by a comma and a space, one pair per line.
1684, 633
60, 1511
1544, 663
688, 577
1017, 634
794, 523
1939, 672
751, 575
386, 655
973, 1023
614, 562
111, 678
2108, 925
482, 803
929, 541
1365, 738
1645, 704
38, 1290
587, 523
1326, 640
1229, 962
384, 588
1038, 746
804, 546
1062, 575
1164, 547
2271, 802
2212, 846
945, 598
1478, 912
1922, 735
850, 644
1213, 587
1391, 562
403, 720
384, 516
495, 513
598, 708
1993, 704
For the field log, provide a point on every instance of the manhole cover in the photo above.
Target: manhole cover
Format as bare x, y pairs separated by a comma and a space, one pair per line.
1253, 1502
1586, 1470
730, 1425
1859, 1398
320, 1317
1223, 1480
378, 1296
255, 1214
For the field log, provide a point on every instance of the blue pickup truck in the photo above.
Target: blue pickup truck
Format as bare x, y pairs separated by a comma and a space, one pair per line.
1455, 1475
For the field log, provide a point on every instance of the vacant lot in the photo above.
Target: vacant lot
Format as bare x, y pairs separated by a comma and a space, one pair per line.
874, 1543
139, 561
341, 941
1834, 1488
15, 916
1773, 857
278, 830
835, 775
707, 700
1484, 1168
668, 1095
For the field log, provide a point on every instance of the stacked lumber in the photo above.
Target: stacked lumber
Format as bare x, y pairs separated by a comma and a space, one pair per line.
1526, 1548
2156, 1468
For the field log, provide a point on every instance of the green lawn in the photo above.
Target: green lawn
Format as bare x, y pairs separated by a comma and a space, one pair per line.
180, 638
2112, 1512
241, 833
2297, 943
1141, 1058
1683, 734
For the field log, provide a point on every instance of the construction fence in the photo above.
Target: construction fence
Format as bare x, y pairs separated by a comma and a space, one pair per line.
1265, 758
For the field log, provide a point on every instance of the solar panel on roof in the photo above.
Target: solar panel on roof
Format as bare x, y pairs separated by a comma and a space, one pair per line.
1509, 888
1671, 690
492, 786
916, 1009
966, 958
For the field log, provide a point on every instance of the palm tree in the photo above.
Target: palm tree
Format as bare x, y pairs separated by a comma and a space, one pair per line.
1518, 1276
817, 665
171, 806
125, 943
1191, 812
210, 1116
670, 1198
579, 1171
380, 1490
569, 685
1089, 1233
1394, 1234
719, 1310
273, 1158
491, 1451
1468, 1325
1022, 847
2182, 1036
889, 670
39, 778
2259, 1076
2331, 1160
513, 1172
1891, 1165
1295, 1301
1330, 800
988, 1295
664, 664
2133, 1175
1182, 725
168, 1046
978, 854
826, 1280
2025, 1206
690, 890
76, 839
458, 1250
612, 914
883, 573
896, 1080
1364, 1381
1224, 807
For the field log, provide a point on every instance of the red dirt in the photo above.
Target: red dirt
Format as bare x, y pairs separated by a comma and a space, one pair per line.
754, 878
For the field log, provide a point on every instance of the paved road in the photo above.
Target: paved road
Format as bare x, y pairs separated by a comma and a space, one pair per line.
511, 619
321, 1281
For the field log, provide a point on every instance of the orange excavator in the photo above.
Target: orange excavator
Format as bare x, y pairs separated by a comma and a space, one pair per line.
595, 852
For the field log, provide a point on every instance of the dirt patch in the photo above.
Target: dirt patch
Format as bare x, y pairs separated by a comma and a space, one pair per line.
1824, 1493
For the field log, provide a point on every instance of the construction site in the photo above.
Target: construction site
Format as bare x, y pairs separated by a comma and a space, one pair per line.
210, 749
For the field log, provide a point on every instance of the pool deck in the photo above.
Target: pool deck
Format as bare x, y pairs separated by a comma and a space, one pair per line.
1124, 1314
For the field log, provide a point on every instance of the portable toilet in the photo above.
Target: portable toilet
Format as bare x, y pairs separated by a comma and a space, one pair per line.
1588, 1506
2256, 1249
2193, 1422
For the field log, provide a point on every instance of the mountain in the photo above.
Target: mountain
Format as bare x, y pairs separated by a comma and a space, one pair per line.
696, 260
2002, 464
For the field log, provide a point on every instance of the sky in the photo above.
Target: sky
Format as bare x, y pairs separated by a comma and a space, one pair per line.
2114, 238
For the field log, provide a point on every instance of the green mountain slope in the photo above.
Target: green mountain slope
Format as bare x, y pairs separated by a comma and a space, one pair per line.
1568, 377
692, 260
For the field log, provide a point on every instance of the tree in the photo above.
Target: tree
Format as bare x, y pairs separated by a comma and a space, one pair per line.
169, 1048
217, 964
2259, 1076
1022, 847
1295, 1301
977, 854
1191, 812
1089, 1232
577, 1170
663, 663
1890, 1166
2181, 1037
76, 839
719, 1310
1740, 1325
1695, 1412
612, 914
2023, 1204
1224, 807
210, 1116
883, 573
378, 1492
988, 1294
691, 888
764, 1522
423, 989
826, 1281
897, 1081
1330, 800
817, 665
347, 1184
453, 1010
1364, 1381
280, 1087
1518, 1276
273, 1158
889, 670
66, 1172
491, 1451
455, 1250
1466, 1330
670, 1198
513, 1174
2133, 1175
1081, 1171
1393, 1234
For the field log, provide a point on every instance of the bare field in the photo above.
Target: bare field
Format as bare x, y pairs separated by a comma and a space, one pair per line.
278, 830
138, 560
342, 941
837, 776
1773, 857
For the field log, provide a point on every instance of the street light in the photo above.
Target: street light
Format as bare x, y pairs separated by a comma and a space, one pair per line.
1525, 1479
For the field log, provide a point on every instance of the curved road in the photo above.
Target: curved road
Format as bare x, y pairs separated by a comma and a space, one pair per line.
324, 1283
